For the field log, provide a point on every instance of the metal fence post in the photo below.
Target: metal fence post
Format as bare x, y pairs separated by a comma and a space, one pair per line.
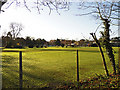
119, 61
20, 69
77, 67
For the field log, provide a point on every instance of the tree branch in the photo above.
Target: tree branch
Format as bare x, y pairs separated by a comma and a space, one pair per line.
115, 18
114, 24
110, 11
26, 5
10, 4
98, 27
38, 7
99, 11
87, 13
49, 8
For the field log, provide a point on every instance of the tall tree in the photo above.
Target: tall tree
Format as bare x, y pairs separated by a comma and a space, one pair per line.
16, 28
28, 41
107, 12
57, 42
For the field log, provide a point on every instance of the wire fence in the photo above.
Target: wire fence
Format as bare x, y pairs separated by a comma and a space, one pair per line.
36, 69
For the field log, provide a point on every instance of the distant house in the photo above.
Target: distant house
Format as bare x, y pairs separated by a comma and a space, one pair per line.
76, 43
52, 42
73, 43
81, 42
84, 43
66, 42
115, 42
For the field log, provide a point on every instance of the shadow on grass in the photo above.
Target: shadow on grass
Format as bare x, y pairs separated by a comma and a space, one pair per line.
43, 78
10, 78
36, 79
8, 59
9, 69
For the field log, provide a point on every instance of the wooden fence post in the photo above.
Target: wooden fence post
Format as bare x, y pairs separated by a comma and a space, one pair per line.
77, 67
101, 51
20, 69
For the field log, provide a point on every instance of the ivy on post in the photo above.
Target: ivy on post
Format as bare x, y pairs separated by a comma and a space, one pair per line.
106, 41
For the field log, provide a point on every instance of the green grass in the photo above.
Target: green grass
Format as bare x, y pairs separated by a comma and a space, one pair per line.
50, 66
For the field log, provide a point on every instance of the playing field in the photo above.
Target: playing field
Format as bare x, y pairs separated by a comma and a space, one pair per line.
51, 66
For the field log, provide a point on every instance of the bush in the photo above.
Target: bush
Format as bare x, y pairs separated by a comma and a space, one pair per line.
45, 46
18, 46
62, 45
37, 46
8, 46
41, 46
30, 46
94, 45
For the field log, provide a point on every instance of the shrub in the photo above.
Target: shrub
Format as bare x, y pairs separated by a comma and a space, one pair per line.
37, 46
18, 46
30, 46
62, 45
41, 46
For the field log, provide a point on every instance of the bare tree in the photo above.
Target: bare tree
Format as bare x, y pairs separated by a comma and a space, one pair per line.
107, 12
16, 28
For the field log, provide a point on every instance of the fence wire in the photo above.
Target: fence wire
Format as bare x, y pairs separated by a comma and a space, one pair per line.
43, 68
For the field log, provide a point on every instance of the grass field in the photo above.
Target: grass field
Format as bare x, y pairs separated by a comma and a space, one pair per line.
50, 66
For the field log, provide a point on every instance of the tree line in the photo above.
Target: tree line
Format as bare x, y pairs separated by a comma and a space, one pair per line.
21, 42
11, 39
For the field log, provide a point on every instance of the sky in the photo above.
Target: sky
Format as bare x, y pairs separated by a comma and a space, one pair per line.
67, 25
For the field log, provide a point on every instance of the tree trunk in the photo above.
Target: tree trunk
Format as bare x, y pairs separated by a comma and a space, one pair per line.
108, 47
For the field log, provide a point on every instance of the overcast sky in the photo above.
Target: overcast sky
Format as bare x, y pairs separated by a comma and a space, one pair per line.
64, 26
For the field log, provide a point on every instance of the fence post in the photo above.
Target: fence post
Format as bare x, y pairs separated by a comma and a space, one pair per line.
119, 61
20, 69
77, 67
